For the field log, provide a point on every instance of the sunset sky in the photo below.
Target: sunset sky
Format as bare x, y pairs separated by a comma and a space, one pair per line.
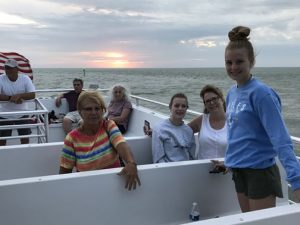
146, 33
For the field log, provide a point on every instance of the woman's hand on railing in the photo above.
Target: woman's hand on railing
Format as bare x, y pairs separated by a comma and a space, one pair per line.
131, 173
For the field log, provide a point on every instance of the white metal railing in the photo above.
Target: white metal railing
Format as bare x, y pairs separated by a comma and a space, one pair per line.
65, 90
138, 99
296, 139
38, 116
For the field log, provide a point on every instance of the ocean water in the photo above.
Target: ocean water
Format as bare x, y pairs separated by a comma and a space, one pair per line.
161, 84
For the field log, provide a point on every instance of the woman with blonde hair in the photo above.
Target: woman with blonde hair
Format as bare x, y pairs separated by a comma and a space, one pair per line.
97, 143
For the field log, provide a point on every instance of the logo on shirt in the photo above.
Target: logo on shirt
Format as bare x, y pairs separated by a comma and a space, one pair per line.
233, 109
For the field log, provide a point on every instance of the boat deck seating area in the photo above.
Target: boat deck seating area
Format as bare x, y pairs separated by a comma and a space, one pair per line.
165, 197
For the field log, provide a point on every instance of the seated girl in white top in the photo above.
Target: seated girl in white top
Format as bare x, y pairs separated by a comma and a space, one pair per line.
211, 125
172, 140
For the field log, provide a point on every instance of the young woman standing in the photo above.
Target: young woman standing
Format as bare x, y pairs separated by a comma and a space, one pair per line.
256, 131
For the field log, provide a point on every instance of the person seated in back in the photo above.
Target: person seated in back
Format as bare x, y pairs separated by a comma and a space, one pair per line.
71, 97
172, 139
120, 107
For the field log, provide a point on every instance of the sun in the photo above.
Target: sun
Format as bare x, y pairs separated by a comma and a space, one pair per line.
109, 59
113, 55
114, 59
120, 64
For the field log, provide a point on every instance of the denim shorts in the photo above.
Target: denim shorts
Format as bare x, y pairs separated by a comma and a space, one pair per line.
258, 183
73, 116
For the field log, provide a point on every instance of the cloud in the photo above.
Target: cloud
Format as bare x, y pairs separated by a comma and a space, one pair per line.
7, 19
150, 33
200, 42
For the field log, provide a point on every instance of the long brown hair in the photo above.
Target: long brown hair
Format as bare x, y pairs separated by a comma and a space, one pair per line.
213, 89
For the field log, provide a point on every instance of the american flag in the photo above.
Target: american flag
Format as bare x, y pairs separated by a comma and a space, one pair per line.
23, 63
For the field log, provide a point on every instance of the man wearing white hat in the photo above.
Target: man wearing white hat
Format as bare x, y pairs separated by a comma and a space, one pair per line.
14, 89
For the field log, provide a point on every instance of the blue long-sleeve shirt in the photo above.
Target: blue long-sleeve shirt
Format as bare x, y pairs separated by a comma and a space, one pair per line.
257, 132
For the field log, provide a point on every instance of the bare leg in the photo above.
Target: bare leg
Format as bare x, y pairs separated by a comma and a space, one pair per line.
67, 125
244, 202
263, 203
24, 141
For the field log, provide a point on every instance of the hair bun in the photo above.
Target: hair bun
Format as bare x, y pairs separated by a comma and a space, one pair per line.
239, 33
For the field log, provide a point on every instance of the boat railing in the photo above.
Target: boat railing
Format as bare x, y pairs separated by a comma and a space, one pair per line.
136, 98
60, 90
139, 101
39, 117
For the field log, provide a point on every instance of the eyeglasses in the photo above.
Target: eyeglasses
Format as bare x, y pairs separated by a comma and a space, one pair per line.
211, 100
90, 109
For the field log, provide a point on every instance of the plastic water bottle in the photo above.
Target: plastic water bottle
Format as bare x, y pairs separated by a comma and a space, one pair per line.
194, 214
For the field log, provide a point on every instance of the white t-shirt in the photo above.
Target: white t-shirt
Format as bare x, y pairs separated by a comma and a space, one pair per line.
7, 87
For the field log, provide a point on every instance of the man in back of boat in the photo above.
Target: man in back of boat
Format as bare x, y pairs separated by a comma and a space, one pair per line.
14, 89
71, 97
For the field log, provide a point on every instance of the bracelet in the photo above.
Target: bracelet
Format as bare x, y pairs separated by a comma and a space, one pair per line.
132, 162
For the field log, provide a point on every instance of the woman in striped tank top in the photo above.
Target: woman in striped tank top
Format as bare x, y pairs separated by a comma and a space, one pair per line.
97, 143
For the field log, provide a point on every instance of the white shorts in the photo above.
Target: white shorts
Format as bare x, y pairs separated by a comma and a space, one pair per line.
73, 116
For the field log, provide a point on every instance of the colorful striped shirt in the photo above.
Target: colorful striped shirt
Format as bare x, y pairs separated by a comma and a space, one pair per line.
92, 152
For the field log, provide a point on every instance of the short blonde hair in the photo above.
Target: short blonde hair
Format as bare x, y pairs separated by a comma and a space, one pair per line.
93, 96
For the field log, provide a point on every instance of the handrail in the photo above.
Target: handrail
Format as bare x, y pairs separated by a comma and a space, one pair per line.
296, 139
65, 90
138, 98
41, 115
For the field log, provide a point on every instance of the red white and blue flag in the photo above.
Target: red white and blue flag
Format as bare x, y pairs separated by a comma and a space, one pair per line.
23, 63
